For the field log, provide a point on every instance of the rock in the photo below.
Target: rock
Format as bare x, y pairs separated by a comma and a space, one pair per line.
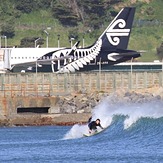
82, 106
88, 109
127, 94
68, 98
54, 110
158, 97
69, 109
80, 111
159, 92
84, 99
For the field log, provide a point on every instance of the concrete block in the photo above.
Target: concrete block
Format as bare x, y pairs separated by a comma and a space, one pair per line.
54, 110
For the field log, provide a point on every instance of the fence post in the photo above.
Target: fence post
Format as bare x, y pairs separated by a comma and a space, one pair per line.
42, 83
51, 85
98, 81
136, 78
130, 80
89, 84
105, 80
114, 81
82, 81
2, 81
160, 79
65, 82
145, 79
75, 82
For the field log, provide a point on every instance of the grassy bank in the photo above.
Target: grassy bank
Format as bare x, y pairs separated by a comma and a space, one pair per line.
143, 37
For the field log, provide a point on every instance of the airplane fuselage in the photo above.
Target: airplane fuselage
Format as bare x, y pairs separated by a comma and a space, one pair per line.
109, 49
77, 61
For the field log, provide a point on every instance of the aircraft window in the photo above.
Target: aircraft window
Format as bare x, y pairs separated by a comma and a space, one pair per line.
80, 53
18, 57
15, 57
33, 57
22, 57
83, 53
11, 57
25, 57
29, 57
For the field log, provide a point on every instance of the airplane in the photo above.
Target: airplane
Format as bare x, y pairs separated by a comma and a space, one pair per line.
109, 49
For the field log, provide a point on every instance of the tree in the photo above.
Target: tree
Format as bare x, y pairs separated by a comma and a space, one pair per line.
94, 12
44, 4
160, 52
30, 41
63, 12
8, 29
26, 6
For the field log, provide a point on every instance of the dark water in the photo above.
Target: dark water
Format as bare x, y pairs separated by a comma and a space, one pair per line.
135, 134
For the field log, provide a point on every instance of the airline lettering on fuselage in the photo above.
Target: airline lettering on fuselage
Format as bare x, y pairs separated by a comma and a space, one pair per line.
112, 34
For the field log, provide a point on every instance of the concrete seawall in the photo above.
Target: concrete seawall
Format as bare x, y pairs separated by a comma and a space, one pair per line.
34, 115
65, 99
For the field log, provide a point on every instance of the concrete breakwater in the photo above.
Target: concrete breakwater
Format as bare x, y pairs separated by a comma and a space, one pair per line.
65, 110
64, 99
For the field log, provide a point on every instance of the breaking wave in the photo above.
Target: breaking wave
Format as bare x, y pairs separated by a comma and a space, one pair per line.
129, 115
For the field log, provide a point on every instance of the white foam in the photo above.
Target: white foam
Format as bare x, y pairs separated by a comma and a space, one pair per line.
76, 131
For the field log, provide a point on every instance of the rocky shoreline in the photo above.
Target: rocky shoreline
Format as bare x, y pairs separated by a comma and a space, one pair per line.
84, 103
77, 108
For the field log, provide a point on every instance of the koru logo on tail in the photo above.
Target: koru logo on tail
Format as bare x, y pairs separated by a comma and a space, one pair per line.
114, 34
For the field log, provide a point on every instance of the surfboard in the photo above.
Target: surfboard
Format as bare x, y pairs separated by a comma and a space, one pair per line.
94, 133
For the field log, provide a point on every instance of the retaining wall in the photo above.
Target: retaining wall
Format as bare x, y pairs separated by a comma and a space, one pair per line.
43, 90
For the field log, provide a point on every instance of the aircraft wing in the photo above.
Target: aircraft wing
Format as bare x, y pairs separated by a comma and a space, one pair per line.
49, 61
68, 56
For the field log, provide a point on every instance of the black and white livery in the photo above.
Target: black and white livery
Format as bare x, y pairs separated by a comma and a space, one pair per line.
109, 49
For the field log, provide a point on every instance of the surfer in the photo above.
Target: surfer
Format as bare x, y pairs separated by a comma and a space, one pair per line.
93, 125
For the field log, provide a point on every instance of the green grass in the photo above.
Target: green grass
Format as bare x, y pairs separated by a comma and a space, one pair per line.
146, 38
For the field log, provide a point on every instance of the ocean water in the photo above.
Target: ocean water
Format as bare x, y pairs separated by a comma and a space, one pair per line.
134, 135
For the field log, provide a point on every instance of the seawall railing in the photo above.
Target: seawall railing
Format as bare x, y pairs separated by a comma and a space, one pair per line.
49, 84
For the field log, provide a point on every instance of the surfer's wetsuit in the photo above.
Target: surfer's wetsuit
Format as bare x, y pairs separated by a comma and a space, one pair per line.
93, 125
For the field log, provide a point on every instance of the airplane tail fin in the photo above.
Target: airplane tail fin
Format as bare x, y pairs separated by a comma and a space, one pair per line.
116, 35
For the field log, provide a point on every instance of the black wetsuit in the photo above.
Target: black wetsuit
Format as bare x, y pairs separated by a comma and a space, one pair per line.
93, 125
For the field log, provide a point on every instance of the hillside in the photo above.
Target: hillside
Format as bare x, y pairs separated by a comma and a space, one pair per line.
147, 33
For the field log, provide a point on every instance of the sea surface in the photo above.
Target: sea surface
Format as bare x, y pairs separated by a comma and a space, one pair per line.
134, 134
